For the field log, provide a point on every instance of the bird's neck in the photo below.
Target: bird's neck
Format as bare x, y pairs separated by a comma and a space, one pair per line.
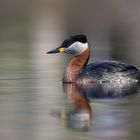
75, 66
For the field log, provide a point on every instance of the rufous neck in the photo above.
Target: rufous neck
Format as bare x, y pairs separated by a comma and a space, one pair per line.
77, 64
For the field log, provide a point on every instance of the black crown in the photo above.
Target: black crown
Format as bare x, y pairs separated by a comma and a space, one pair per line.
81, 38
76, 38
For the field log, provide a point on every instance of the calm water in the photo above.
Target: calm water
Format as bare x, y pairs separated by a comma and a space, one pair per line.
34, 105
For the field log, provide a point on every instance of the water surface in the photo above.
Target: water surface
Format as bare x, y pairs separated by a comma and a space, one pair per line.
34, 105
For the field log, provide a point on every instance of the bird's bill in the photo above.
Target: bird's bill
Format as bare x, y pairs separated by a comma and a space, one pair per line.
57, 50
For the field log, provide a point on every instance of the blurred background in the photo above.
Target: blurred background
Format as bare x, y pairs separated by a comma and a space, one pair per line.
29, 79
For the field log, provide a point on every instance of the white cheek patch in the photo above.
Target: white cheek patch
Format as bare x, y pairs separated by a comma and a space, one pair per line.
77, 48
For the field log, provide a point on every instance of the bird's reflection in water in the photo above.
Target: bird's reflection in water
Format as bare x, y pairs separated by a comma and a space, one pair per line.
81, 96
81, 116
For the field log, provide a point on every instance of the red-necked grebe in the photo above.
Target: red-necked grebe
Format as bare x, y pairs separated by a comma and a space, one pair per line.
78, 71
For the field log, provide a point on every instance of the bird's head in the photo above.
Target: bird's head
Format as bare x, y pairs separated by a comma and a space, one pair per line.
75, 45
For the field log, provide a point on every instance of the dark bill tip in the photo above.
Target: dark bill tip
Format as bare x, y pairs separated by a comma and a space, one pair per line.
53, 51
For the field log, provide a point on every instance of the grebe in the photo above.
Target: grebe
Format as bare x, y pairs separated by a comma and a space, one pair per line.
78, 71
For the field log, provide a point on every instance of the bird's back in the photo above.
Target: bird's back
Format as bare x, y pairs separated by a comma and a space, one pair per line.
110, 71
